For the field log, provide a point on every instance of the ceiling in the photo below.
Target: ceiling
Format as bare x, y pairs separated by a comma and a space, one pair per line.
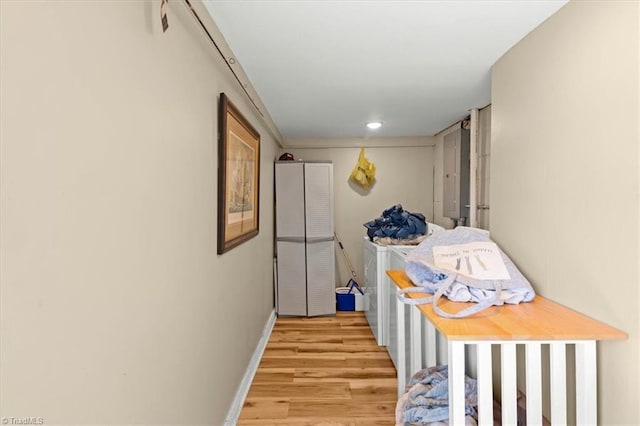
323, 68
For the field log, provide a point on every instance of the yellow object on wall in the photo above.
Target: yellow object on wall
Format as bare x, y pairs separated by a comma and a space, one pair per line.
364, 173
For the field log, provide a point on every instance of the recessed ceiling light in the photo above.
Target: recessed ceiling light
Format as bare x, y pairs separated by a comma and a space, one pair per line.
374, 125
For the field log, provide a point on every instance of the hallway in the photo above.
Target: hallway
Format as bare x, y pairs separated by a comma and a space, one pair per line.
323, 370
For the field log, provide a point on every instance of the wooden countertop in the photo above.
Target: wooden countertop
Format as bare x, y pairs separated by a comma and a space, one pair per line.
540, 319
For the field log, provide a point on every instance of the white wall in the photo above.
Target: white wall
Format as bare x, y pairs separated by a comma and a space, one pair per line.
483, 177
638, 129
404, 176
564, 176
115, 308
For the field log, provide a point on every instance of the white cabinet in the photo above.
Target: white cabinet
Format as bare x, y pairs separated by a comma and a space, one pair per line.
376, 259
380, 296
304, 238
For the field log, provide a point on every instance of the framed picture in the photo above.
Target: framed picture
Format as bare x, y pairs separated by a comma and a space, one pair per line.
238, 177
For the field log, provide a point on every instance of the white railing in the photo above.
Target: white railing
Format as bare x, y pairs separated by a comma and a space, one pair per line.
464, 352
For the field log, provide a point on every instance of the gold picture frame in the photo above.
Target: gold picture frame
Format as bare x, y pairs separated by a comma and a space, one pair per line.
238, 177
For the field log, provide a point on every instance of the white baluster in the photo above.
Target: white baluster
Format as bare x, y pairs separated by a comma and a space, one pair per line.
456, 383
586, 383
416, 340
534, 383
485, 384
401, 367
432, 347
558, 381
508, 375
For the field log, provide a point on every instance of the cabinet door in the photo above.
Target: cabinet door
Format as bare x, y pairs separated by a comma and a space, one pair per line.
292, 278
321, 298
289, 200
318, 180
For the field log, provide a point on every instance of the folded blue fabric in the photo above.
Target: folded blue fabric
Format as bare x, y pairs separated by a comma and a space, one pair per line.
427, 397
396, 223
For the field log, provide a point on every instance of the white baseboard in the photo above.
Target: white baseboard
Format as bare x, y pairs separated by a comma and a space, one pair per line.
250, 372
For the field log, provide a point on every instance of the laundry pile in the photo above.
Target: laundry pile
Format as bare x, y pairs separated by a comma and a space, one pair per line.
464, 265
426, 401
396, 223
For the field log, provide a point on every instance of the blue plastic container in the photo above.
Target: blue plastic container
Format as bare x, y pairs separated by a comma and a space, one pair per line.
345, 301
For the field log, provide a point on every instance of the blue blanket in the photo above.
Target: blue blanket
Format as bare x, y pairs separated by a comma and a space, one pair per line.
422, 272
397, 223
427, 397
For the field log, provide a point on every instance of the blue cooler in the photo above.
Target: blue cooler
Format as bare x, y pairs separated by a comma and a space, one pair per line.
345, 300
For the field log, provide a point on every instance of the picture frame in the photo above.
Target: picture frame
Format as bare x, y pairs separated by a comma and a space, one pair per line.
238, 177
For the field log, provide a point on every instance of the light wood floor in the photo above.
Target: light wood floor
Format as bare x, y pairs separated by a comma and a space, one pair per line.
322, 371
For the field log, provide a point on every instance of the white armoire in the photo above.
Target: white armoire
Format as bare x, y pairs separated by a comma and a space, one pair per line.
304, 239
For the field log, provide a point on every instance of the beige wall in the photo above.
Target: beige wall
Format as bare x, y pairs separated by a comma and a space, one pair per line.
404, 176
115, 308
564, 176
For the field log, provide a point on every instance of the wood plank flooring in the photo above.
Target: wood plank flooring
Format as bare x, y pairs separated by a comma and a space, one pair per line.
322, 371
